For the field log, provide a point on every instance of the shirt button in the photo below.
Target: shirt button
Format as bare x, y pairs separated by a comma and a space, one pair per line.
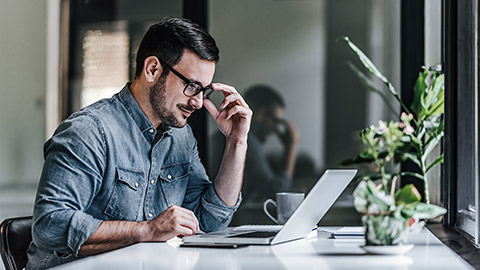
150, 215
136, 184
169, 177
152, 181
151, 130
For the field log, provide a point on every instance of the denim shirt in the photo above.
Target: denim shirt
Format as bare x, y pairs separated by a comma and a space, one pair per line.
108, 162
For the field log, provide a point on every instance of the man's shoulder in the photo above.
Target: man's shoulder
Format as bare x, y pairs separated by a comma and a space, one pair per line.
89, 118
103, 110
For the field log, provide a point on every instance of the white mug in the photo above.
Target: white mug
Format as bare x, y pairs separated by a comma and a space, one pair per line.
286, 204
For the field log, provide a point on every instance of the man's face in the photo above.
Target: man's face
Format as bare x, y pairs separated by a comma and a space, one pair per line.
166, 96
267, 119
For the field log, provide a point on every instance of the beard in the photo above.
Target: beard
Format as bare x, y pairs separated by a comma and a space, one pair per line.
158, 103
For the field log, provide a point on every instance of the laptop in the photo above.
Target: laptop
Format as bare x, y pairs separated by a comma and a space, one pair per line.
320, 198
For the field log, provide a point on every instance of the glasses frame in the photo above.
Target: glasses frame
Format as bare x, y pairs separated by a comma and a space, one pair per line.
207, 90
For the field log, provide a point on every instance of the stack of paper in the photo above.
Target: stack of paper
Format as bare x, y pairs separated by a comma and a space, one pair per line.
349, 233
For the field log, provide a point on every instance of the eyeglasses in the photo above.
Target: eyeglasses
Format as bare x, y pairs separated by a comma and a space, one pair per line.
192, 88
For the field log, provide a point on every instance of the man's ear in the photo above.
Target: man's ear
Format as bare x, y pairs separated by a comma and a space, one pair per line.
151, 68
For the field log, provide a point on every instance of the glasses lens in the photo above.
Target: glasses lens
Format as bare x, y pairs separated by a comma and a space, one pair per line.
192, 89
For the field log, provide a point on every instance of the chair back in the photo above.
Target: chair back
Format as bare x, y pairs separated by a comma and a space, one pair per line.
15, 238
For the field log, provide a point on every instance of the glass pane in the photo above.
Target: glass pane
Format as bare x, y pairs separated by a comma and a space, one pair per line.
292, 47
105, 37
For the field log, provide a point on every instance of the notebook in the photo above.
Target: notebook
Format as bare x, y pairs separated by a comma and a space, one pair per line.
320, 198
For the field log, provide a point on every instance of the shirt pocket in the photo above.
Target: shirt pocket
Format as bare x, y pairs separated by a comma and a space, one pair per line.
124, 203
174, 181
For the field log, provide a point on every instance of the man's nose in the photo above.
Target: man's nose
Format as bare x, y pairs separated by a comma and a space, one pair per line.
196, 101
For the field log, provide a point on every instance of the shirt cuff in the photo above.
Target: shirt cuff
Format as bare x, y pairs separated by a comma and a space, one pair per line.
217, 207
82, 226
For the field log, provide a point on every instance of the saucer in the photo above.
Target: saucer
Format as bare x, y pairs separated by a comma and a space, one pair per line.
388, 250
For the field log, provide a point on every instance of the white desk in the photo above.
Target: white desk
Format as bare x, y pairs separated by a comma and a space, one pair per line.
311, 253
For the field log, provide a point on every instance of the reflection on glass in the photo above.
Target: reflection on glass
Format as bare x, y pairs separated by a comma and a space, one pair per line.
291, 47
262, 180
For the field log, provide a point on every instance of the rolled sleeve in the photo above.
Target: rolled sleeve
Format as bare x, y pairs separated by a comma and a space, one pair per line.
217, 208
82, 226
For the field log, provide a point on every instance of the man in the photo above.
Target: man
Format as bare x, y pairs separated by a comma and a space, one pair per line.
126, 169
262, 180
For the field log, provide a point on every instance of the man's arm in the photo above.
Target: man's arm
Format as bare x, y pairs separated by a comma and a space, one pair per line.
290, 140
111, 235
234, 122
71, 177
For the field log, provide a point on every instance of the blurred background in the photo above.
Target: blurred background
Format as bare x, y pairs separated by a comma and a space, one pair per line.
58, 56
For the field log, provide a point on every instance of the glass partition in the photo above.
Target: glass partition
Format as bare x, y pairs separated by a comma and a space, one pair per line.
289, 51
288, 47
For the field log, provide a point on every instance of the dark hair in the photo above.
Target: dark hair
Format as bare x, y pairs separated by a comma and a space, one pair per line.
168, 39
263, 96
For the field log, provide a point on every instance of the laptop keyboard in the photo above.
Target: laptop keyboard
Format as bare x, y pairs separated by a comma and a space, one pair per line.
255, 235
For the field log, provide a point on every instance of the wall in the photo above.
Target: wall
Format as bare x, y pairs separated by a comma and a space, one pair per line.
22, 87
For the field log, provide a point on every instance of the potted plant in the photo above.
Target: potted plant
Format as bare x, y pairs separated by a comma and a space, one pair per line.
389, 215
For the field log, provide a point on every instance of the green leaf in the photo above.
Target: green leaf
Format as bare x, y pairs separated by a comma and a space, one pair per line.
407, 195
432, 143
368, 64
369, 85
438, 85
427, 211
413, 158
437, 161
434, 99
418, 91
417, 175
437, 108
407, 212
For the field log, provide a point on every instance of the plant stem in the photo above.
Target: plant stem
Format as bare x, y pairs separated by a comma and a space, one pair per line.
384, 178
392, 188
425, 181
423, 162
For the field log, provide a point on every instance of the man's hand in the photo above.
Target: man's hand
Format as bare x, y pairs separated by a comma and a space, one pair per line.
235, 117
110, 235
175, 221
290, 136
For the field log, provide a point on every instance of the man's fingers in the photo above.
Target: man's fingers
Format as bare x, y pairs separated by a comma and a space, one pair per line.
183, 231
188, 223
194, 220
242, 111
230, 99
186, 217
228, 91
211, 108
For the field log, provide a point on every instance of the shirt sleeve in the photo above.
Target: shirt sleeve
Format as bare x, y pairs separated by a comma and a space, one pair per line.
75, 159
212, 213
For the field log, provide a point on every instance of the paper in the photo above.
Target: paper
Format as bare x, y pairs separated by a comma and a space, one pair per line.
349, 233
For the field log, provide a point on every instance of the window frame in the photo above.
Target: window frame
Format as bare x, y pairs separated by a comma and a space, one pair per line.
460, 57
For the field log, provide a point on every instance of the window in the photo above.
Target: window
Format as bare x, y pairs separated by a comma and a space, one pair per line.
460, 54
291, 46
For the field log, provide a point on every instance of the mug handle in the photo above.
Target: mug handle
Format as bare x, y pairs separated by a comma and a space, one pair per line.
266, 210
